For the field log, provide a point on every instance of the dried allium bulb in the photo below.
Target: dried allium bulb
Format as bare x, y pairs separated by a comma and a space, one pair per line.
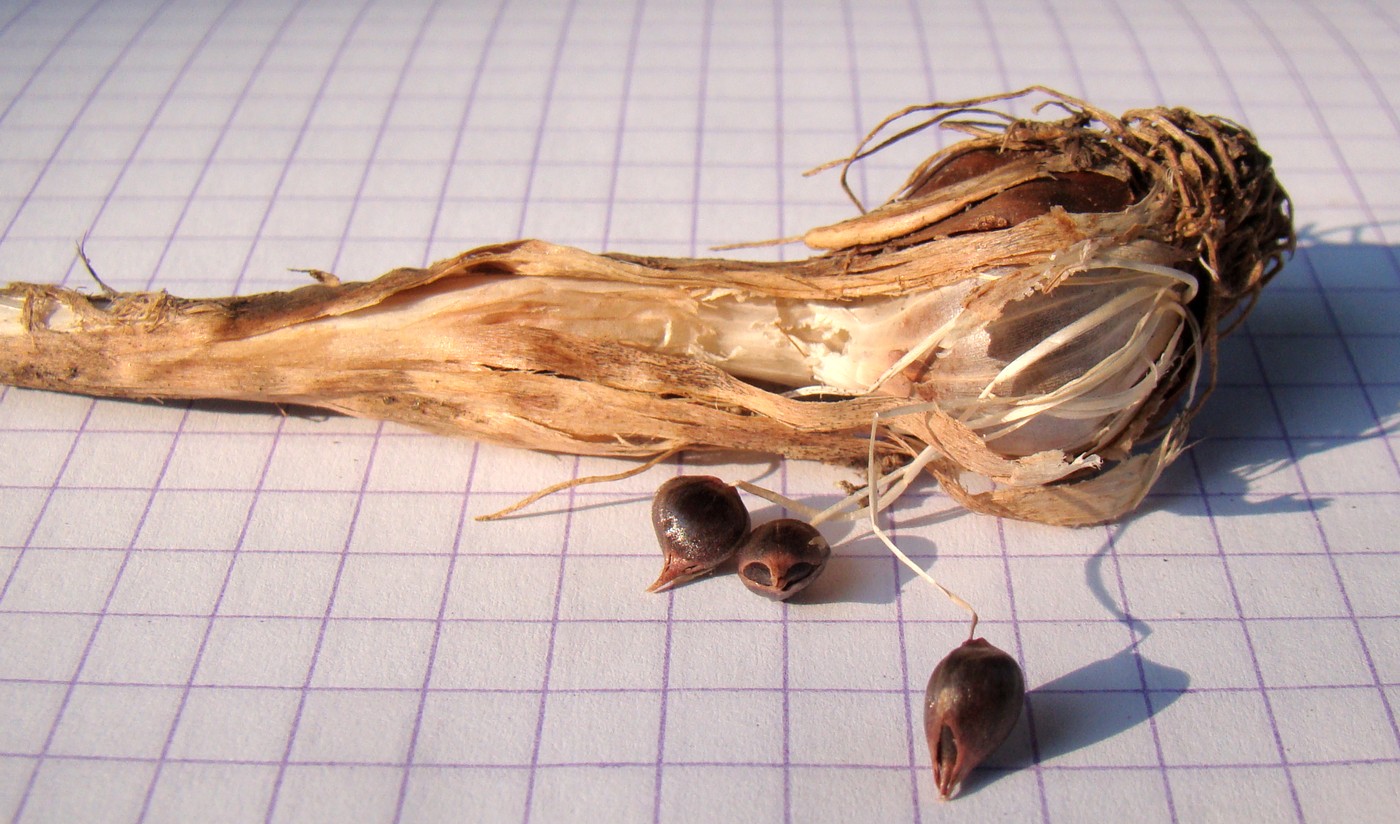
780, 558
973, 700
699, 521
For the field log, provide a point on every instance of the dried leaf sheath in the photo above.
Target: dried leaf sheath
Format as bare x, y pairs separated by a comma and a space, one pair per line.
1045, 292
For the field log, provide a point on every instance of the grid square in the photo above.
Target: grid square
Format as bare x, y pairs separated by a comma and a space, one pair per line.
43, 647
719, 726
1369, 583
284, 521
750, 794
211, 793
91, 518
421, 463
1308, 653
409, 522
837, 656
1313, 731
871, 731
194, 520
1063, 589
115, 721
316, 794
22, 409
62, 580
503, 588
1099, 659
727, 655
1265, 524
1359, 465
380, 653
1176, 587
170, 583
817, 794
1210, 728
592, 655
1325, 789
246, 724
217, 460
257, 653
27, 713
1093, 729
279, 584
318, 463
490, 655
1095, 795
487, 728
111, 790
1274, 587
601, 587
431, 790
1234, 794
588, 793
600, 728
136, 457
349, 726
390, 586
144, 650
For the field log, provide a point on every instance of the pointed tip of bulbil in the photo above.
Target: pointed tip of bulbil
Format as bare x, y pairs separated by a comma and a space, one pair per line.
674, 572
973, 700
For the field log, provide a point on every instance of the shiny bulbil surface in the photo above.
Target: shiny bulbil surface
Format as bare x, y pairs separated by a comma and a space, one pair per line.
973, 700
699, 522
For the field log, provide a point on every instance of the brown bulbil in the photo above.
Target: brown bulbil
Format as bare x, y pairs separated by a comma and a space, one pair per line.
699, 522
971, 705
781, 558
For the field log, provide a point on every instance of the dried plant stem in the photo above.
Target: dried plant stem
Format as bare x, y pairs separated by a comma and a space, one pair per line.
1034, 308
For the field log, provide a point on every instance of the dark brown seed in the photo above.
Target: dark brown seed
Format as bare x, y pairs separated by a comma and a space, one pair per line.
699, 521
973, 700
780, 558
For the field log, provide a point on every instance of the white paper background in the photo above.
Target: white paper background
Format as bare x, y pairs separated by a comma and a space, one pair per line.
212, 612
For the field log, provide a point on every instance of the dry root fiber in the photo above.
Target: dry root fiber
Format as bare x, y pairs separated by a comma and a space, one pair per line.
1028, 318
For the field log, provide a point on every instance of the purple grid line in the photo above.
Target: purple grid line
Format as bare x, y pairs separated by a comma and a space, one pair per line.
556, 60
1250, 645
858, 129
351, 31
1037, 760
48, 57
1204, 494
545, 691
911, 692
662, 621
96, 628
487, 765
779, 132
478, 71
189, 685
209, 619
168, 241
320, 638
14, 18
1328, 136
82, 110
316, 100
437, 624
1135, 629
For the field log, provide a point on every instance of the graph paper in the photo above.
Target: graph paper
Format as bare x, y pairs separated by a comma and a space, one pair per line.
220, 612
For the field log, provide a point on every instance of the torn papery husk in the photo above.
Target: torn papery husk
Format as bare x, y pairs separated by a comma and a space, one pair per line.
1038, 303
